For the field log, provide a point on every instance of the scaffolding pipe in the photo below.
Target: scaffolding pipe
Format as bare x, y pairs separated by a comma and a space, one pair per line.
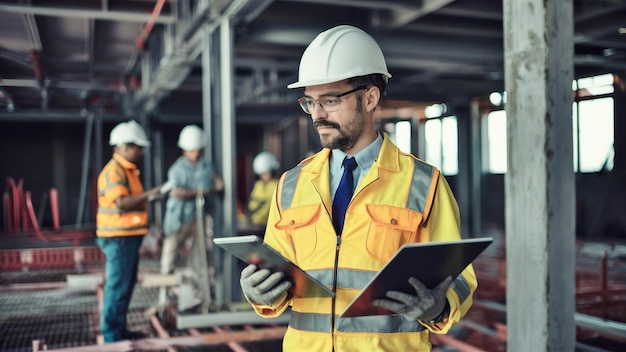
80, 213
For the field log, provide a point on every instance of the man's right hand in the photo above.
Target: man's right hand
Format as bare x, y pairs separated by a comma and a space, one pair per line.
261, 286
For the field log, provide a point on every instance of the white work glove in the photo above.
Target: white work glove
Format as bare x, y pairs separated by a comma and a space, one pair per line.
262, 286
425, 306
166, 187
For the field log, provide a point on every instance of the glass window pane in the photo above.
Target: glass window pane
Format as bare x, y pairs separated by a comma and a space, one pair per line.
496, 134
575, 134
602, 84
450, 146
432, 131
403, 136
596, 134
441, 139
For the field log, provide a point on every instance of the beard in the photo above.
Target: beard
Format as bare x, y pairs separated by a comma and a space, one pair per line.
349, 134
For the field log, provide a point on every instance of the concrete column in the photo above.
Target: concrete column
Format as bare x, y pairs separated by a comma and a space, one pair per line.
539, 184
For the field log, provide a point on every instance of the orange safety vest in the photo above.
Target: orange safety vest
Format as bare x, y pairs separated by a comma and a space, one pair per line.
119, 178
400, 200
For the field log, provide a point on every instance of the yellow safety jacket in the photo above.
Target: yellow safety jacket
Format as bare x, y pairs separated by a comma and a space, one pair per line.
260, 200
400, 200
118, 178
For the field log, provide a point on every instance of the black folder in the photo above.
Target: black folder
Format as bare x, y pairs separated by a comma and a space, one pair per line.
252, 250
429, 262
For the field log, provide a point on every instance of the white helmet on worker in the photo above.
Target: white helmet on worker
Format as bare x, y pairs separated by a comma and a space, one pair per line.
191, 138
340, 53
128, 133
264, 162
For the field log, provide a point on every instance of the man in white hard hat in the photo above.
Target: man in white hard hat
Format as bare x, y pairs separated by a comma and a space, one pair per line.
189, 176
264, 166
121, 223
342, 213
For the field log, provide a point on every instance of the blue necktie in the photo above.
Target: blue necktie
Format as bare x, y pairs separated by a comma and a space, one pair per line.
343, 194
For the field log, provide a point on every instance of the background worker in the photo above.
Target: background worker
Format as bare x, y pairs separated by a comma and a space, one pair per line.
342, 213
264, 166
189, 176
121, 223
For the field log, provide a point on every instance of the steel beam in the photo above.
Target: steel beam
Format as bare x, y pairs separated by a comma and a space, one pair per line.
230, 318
123, 16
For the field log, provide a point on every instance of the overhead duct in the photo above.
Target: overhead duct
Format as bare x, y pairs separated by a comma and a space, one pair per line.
174, 69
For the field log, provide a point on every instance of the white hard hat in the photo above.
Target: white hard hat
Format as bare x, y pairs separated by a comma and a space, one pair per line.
264, 162
128, 132
339, 53
191, 138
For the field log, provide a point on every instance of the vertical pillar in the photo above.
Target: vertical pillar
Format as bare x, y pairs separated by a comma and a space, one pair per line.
59, 172
620, 125
147, 172
539, 184
228, 152
158, 168
463, 195
84, 176
208, 123
98, 140
476, 171
97, 165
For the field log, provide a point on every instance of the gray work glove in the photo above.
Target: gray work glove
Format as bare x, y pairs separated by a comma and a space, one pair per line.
426, 305
262, 286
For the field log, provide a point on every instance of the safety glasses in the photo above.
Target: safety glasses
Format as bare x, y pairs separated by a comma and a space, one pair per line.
328, 102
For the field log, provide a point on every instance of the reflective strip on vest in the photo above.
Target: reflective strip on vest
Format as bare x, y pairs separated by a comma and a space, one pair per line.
121, 228
121, 176
289, 186
103, 210
420, 187
316, 322
346, 278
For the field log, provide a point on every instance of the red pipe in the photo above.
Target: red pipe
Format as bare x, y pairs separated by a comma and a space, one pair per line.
148, 28
605, 285
33, 218
54, 208
15, 204
34, 58
8, 217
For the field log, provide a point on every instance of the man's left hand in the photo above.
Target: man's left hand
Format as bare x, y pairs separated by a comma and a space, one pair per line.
425, 305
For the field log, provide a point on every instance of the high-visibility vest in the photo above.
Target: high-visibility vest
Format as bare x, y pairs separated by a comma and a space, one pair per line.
401, 200
118, 178
260, 199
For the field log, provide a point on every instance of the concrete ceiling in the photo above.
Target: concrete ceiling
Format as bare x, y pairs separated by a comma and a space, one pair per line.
58, 57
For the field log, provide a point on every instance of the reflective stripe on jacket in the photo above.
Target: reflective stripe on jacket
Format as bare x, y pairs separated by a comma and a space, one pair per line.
118, 178
401, 200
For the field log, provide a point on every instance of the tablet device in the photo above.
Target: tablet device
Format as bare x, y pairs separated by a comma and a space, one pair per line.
252, 250
429, 262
